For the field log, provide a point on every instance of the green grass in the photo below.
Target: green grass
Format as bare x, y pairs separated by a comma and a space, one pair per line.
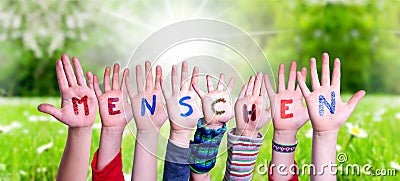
379, 115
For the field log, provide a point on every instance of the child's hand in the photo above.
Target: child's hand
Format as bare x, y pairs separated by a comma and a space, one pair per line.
182, 107
115, 111
251, 110
325, 107
288, 111
216, 104
78, 104
147, 106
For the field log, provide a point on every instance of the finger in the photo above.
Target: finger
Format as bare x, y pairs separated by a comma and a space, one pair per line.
174, 80
250, 86
355, 99
115, 77
314, 74
257, 84
336, 74
157, 84
97, 87
164, 89
128, 85
281, 78
210, 85
230, 84
220, 85
80, 77
292, 76
184, 76
263, 91
304, 77
89, 76
106, 81
325, 77
149, 76
243, 91
198, 90
303, 87
123, 84
195, 77
139, 79
62, 80
270, 90
50, 109
69, 72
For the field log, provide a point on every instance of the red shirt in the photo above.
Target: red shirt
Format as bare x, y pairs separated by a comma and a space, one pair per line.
113, 171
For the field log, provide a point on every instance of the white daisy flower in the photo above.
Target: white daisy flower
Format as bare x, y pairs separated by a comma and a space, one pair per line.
96, 126
127, 176
22, 172
3, 166
356, 131
8, 128
395, 165
309, 133
41, 169
45, 147
338, 147
397, 115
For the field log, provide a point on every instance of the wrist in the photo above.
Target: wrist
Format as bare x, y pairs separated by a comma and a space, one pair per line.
285, 136
80, 131
112, 131
326, 136
212, 124
180, 138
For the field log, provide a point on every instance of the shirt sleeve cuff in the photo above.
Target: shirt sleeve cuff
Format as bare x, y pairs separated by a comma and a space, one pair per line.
113, 171
176, 154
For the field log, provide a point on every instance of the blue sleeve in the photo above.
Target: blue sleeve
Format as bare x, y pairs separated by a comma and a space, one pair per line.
176, 167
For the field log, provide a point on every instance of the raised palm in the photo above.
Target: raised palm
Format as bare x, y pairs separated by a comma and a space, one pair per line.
115, 110
79, 104
251, 112
147, 106
288, 111
216, 104
325, 107
182, 107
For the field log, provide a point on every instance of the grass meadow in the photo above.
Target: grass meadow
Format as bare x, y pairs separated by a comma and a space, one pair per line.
32, 143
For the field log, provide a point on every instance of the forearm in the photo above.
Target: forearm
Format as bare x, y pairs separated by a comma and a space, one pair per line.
242, 155
324, 154
281, 162
176, 165
110, 145
75, 159
204, 150
145, 159
199, 177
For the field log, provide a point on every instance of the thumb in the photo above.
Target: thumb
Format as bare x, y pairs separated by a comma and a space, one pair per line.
355, 99
50, 109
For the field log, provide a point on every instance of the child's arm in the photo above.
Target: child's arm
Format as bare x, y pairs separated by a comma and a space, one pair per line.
327, 113
244, 142
217, 110
183, 113
115, 113
78, 112
289, 115
149, 114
